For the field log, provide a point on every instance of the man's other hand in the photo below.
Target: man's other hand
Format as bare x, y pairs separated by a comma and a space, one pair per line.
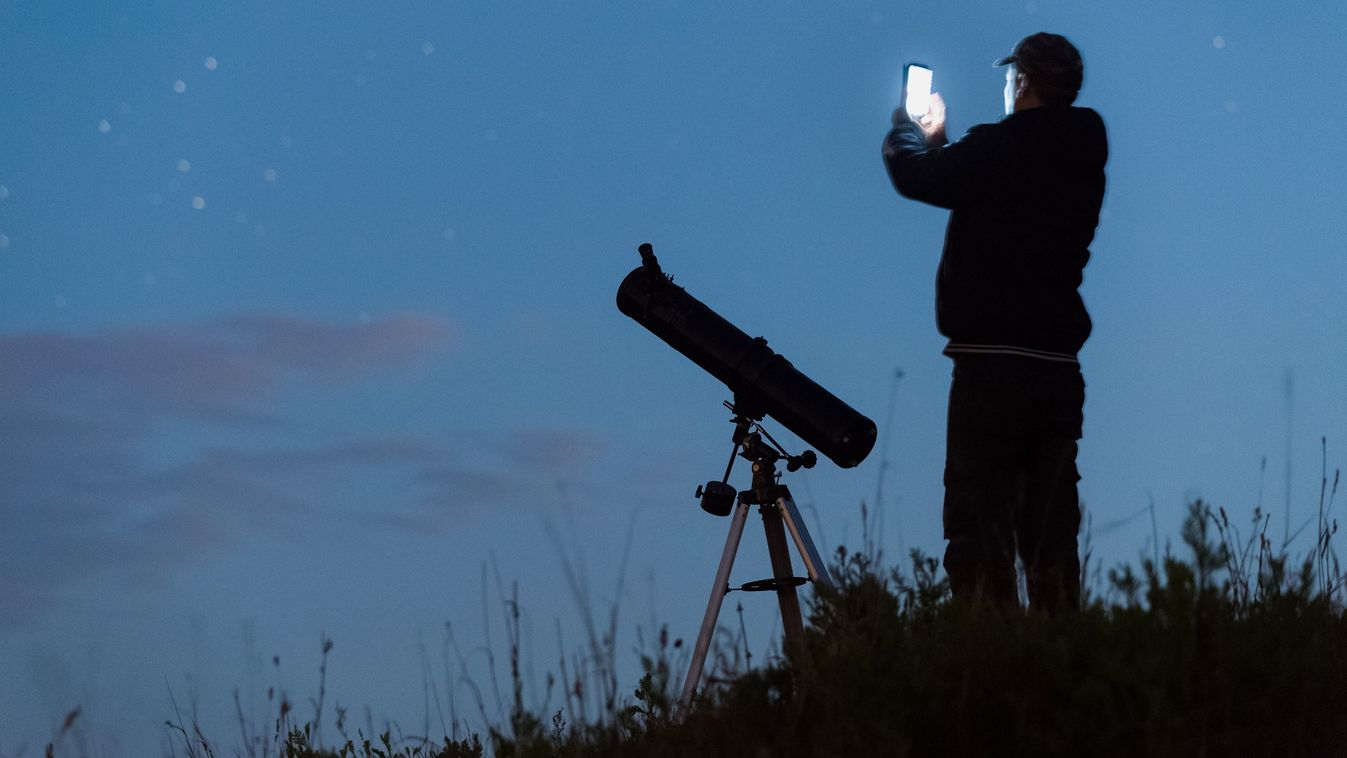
933, 123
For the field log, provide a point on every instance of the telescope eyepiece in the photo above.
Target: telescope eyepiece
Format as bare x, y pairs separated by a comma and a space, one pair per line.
648, 259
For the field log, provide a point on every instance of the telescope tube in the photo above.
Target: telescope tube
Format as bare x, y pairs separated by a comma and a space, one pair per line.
763, 381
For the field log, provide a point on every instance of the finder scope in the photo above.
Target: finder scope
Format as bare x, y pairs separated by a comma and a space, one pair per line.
763, 381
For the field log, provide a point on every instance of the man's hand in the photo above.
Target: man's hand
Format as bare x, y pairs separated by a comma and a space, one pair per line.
933, 123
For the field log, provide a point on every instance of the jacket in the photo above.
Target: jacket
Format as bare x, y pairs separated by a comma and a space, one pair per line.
1025, 194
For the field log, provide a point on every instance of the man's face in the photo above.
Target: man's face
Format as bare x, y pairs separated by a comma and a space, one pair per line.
1012, 84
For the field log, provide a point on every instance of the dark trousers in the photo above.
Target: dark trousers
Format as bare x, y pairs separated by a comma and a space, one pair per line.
1010, 480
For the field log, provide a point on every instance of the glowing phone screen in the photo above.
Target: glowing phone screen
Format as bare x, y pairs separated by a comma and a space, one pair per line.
917, 99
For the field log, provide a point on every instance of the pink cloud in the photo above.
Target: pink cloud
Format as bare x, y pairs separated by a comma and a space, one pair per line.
553, 448
335, 351
80, 413
97, 479
209, 368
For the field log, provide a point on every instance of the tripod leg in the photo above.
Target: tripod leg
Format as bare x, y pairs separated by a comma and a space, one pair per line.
816, 569
777, 549
718, 590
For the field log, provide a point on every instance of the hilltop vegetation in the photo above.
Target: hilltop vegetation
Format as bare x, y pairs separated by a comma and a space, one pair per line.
1226, 647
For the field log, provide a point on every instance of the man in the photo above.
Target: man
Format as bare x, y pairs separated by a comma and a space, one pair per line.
1025, 194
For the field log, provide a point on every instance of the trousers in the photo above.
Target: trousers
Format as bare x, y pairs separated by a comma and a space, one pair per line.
1010, 480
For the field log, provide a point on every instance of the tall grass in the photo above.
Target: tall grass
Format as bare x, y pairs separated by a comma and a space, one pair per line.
1225, 644
1222, 646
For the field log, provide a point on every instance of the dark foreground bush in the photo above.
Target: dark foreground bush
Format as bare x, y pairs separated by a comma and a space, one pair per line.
1221, 653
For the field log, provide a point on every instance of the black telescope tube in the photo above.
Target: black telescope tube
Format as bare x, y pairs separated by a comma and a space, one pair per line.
761, 379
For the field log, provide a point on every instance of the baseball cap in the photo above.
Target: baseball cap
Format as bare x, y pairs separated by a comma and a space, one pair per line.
1049, 57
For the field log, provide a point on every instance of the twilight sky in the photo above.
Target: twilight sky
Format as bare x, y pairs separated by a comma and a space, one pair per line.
307, 320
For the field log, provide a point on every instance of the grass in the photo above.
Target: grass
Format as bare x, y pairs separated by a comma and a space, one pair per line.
1176, 660
1223, 646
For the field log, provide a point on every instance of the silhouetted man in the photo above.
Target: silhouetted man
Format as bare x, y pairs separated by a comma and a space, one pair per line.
1025, 194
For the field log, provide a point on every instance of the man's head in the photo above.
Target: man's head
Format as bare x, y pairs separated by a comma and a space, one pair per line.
1045, 69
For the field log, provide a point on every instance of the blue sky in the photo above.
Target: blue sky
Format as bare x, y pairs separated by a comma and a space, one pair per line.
381, 364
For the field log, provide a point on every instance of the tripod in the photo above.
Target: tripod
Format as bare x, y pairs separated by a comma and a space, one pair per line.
779, 515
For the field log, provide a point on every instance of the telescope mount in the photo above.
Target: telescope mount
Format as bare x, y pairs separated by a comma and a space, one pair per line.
779, 515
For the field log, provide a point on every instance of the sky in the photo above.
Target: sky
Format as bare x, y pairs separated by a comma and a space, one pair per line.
307, 322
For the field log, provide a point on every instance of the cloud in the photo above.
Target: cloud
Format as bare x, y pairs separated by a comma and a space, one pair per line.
97, 473
133, 452
550, 448
215, 369
328, 350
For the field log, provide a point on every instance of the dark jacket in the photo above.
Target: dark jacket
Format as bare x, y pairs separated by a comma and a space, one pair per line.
1025, 194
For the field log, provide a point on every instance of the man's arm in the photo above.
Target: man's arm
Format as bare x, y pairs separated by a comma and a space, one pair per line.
922, 167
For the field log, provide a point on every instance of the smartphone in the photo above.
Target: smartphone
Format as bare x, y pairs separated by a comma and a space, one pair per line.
917, 89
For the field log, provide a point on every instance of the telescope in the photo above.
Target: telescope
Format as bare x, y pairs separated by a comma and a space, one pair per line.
763, 381
764, 384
